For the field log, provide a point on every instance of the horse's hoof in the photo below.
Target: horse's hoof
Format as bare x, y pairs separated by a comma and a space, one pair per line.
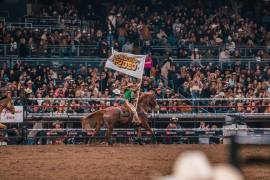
106, 143
139, 141
154, 141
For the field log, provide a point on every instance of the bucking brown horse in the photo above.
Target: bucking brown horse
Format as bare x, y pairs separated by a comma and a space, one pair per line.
6, 103
111, 116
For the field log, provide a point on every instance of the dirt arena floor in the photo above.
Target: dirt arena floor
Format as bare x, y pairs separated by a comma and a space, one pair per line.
119, 162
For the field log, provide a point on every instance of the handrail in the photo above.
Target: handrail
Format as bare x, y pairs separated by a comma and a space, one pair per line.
160, 99
83, 99
94, 45
52, 19
157, 129
152, 46
99, 58
96, 61
155, 115
18, 24
91, 49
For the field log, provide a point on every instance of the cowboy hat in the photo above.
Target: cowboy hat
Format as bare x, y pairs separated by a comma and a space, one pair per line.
29, 82
28, 91
68, 78
174, 118
116, 91
192, 165
56, 122
219, 40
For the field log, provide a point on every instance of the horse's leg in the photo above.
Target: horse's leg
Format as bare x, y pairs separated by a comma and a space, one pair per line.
108, 133
97, 128
146, 126
110, 119
86, 125
139, 135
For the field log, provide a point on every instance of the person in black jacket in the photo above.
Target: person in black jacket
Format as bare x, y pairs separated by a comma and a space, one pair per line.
23, 49
172, 77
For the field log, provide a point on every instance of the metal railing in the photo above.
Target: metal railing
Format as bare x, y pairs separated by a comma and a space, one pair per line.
48, 21
39, 27
92, 48
53, 21
95, 61
3, 20
167, 136
186, 108
78, 136
52, 51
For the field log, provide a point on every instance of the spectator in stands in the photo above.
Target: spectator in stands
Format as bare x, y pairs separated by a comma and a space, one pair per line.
230, 45
182, 28
224, 58
182, 54
196, 58
148, 64
127, 47
165, 70
204, 126
172, 77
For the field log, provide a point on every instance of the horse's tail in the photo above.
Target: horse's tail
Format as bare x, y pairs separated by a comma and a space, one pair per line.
92, 119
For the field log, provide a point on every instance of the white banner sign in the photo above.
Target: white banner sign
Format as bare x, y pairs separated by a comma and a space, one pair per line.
126, 63
8, 117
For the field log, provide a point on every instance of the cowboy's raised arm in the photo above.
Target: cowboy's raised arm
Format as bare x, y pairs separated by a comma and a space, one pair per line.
138, 85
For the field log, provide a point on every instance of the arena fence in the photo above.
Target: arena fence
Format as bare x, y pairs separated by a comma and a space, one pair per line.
91, 50
183, 108
163, 135
86, 55
166, 136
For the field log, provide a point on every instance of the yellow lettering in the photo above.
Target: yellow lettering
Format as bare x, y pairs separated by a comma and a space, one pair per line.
125, 62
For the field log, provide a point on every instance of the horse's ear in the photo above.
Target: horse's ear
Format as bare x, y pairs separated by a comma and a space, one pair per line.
153, 94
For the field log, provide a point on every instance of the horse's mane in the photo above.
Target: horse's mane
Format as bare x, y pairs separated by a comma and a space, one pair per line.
143, 95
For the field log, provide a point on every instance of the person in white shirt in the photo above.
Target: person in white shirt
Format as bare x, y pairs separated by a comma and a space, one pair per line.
224, 58
196, 58
231, 45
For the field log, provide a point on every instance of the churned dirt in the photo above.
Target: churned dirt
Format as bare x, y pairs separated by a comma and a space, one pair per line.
118, 162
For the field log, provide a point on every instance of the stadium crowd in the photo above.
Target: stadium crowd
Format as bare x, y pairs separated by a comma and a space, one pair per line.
167, 81
136, 28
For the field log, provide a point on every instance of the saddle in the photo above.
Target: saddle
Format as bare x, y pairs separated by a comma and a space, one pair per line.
125, 112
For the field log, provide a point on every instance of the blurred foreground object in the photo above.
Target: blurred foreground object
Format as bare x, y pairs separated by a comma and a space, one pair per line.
193, 165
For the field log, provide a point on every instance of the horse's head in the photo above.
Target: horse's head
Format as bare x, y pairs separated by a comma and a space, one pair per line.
149, 100
8, 104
